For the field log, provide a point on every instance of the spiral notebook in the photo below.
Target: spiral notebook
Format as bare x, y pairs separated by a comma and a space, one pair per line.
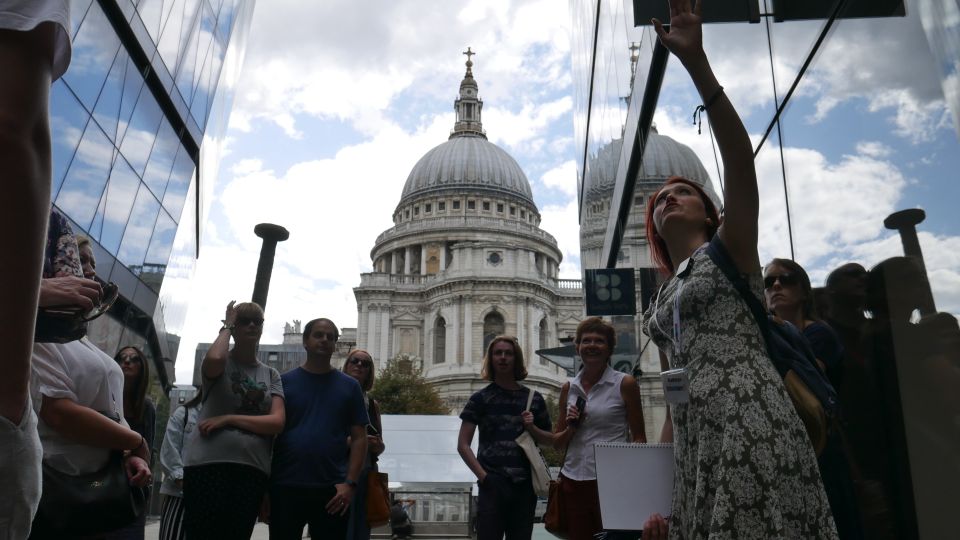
634, 480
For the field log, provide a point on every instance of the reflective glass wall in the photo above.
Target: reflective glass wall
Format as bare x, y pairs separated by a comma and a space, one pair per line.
146, 89
869, 131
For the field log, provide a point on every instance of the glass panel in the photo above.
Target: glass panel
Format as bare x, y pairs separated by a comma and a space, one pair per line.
118, 96
78, 10
67, 121
180, 179
151, 12
86, 177
155, 263
161, 159
188, 60
175, 31
142, 132
94, 49
136, 237
115, 204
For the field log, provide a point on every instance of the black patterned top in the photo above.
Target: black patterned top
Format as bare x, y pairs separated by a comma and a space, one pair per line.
496, 412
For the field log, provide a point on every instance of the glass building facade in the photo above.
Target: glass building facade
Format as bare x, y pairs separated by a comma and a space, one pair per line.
852, 109
136, 124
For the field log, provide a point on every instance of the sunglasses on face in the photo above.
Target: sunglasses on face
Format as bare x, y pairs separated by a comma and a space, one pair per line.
360, 362
786, 280
129, 360
329, 335
244, 321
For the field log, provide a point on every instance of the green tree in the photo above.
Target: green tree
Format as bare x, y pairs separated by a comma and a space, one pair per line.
552, 456
401, 389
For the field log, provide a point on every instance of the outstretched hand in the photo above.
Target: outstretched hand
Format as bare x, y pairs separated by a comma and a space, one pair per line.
685, 38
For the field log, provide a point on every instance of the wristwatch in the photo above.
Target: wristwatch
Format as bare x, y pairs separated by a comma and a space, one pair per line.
351, 483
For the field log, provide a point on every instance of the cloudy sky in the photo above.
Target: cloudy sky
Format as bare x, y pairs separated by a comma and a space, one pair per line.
337, 103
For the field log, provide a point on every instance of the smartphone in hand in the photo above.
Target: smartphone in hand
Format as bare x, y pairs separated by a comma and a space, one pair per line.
581, 404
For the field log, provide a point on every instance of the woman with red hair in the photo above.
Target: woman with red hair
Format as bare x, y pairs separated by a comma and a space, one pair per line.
744, 467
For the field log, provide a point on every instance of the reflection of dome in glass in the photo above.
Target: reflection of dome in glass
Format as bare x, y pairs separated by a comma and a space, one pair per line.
470, 161
663, 158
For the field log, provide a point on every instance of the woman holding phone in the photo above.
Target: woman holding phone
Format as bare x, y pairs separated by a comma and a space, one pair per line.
359, 365
602, 405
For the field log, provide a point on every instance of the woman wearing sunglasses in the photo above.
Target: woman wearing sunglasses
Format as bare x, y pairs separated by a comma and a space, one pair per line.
227, 460
77, 388
789, 295
359, 365
744, 467
140, 413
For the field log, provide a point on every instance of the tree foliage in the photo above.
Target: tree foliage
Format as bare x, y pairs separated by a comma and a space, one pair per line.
553, 457
401, 389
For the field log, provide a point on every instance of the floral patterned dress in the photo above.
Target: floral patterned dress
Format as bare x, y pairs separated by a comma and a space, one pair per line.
744, 467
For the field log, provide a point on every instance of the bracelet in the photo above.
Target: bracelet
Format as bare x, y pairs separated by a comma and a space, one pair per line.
130, 452
707, 104
697, 113
226, 326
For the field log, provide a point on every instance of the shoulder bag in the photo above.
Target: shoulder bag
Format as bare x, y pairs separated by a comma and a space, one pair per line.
378, 492
539, 473
810, 391
87, 504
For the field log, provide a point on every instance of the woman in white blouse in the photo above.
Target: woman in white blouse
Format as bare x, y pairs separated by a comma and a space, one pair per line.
611, 412
78, 391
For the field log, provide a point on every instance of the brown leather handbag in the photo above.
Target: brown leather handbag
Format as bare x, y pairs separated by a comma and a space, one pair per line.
378, 499
555, 519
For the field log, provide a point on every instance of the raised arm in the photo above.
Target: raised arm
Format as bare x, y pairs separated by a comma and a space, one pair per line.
215, 361
738, 232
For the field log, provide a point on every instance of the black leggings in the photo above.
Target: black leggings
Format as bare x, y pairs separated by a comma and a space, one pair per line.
221, 500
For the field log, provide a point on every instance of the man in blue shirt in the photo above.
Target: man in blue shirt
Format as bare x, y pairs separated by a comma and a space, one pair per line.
318, 457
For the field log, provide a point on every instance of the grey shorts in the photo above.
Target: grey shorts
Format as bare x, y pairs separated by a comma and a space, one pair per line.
20, 456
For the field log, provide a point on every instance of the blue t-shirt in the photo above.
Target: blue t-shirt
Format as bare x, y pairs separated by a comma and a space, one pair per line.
312, 451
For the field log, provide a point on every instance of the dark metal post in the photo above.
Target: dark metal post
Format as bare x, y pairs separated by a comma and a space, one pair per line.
271, 234
905, 222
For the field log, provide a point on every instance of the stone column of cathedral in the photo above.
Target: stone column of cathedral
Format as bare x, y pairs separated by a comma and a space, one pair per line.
406, 260
385, 331
467, 331
423, 259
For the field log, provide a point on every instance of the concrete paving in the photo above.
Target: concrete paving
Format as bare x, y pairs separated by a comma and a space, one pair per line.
261, 532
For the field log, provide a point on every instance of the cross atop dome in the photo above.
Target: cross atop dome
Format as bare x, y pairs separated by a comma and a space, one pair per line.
469, 53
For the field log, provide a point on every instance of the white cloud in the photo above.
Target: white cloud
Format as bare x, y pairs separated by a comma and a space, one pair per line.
874, 149
563, 178
561, 221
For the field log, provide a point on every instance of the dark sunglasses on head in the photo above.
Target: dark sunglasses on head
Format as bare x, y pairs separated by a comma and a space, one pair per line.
786, 280
360, 362
244, 321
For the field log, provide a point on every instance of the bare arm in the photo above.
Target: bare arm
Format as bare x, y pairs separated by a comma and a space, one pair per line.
539, 435
630, 392
86, 426
563, 431
358, 449
464, 439
215, 361
666, 432
741, 199
266, 424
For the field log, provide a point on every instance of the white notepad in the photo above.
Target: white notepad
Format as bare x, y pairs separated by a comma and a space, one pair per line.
635, 480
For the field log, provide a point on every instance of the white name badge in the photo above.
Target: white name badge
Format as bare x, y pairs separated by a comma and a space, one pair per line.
676, 386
